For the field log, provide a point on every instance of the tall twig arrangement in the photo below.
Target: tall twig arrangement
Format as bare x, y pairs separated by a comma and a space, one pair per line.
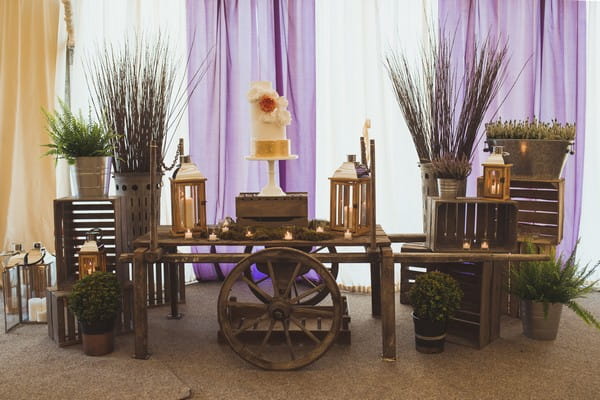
140, 92
444, 107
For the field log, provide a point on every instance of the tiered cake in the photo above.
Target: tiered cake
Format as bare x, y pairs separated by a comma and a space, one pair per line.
269, 117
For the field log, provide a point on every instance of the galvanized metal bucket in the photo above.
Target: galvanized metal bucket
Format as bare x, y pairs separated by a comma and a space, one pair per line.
90, 176
135, 187
535, 159
535, 324
448, 188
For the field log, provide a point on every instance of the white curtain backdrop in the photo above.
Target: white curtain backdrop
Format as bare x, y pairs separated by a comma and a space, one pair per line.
113, 20
352, 84
590, 212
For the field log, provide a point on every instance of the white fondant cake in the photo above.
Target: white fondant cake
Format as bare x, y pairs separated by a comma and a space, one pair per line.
269, 115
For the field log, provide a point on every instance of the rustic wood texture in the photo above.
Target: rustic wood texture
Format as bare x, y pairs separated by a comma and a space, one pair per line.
140, 297
541, 208
452, 221
273, 211
61, 322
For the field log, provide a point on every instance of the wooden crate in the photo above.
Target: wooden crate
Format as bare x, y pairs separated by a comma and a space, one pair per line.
254, 210
452, 221
477, 322
540, 203
73, 217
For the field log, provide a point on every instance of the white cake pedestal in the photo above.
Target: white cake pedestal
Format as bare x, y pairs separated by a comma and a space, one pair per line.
272, 188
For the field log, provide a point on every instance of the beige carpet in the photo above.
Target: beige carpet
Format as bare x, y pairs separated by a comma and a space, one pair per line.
187, 361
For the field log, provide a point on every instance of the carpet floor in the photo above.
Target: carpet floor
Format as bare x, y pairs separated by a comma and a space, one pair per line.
188, 362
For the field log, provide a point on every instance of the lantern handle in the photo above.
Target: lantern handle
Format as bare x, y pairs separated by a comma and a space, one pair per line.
95, 231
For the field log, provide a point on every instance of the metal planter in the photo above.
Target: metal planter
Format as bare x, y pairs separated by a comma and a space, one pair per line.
535, 324
535, 159
90, 176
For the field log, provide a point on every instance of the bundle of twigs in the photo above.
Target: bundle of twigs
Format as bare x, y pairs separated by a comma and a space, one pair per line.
444, 108
140, 91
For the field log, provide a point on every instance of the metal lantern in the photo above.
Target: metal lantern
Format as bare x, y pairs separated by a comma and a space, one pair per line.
188, 199
92, 255
24, 280
496, 176
350, 198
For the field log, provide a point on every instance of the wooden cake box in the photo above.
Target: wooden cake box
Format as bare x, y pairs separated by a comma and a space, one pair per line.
273, 211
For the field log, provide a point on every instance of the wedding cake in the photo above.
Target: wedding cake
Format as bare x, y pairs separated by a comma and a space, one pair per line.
269, 115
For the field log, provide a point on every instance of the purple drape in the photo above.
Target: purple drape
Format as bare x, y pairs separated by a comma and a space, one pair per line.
551, 35
252, 40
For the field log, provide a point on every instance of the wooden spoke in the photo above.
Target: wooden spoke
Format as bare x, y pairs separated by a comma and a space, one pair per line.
273, 280
306, 331
295, 289
254, 286
316, 289
250, 323
288, 339
311, 283
318, 249
292, 280
312, 312
262, 280
266, 338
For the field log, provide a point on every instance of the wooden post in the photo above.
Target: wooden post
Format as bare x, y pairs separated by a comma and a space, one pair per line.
373, 197
153, 205
140, 313
388, 316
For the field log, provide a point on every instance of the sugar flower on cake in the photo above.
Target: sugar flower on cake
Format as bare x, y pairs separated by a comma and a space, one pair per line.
272, 107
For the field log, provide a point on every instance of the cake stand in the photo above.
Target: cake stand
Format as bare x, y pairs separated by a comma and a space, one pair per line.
272, 188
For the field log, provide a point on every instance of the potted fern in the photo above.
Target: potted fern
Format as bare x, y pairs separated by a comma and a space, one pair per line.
536, 149
545, 286
87, 147
451, 173
95, 300
434, 296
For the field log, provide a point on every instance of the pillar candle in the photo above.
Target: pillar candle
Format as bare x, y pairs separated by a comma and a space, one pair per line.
189, 213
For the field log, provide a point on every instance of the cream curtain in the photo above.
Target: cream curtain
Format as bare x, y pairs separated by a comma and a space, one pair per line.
28, 34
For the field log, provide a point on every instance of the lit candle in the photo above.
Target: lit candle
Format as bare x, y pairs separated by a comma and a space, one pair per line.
347, 234
466, 244
189, 213
484, 245
188, 234
225, 228
320, 229
288, 235
249, 234
212, 237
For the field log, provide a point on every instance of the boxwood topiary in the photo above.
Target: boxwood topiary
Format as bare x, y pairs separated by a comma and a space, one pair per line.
96, 297
435, 296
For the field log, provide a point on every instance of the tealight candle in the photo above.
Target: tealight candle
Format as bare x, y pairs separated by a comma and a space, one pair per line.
249, 234
212, 237
288, 235
225, 228
187, 234
485, 245
347, 234
319, 229
466, 244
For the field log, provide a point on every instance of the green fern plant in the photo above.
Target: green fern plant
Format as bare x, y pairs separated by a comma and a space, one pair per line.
73, 136
555, 281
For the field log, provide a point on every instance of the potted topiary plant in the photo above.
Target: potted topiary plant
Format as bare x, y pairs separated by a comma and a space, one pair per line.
95, 300
544, 286
537, 150
87, 147
451, 173
434, 296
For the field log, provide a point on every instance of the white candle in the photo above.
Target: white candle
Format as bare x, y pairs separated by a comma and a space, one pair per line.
347, 234
189, 213
34, 306
188, 234
485, 245
42, 316
319, 229
249, 234
225, 228
467, 244
288, 235
212, 237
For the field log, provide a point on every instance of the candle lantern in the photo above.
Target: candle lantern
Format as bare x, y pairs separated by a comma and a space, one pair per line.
350, 198
92, 255
188, 199
24, 280
496, 176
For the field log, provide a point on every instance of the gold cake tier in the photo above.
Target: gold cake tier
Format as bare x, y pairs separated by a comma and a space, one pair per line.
271, 148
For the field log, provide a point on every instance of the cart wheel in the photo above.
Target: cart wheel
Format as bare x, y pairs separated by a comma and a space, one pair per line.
310, 280
280, 333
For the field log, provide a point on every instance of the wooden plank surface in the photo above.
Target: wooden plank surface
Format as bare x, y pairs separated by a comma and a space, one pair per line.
414, 257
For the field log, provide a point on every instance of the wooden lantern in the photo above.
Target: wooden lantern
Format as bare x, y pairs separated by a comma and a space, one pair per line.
350, 199
496, 176
188, 199
92, 255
